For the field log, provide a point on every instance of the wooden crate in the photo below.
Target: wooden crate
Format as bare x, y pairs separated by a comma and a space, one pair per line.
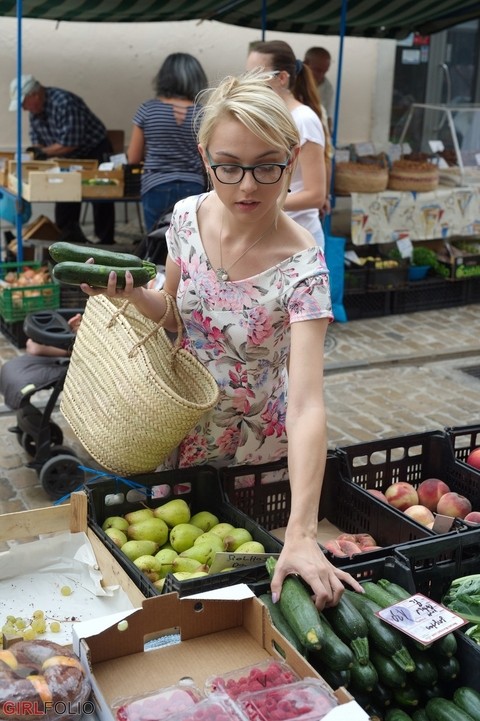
113, 189
41, 183
80, 164
5, 156
71, 516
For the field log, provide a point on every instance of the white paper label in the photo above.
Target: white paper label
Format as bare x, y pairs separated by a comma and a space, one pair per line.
421, 618
365, 148
405, 247
222, 561
436, 146
342, 156
395, 151
477, 158
442, 163
406, 148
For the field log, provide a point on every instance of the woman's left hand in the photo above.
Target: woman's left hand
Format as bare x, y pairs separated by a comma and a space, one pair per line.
305, 558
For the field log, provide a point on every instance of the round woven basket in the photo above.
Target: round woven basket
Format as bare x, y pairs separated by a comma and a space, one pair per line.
413, 176
360, 178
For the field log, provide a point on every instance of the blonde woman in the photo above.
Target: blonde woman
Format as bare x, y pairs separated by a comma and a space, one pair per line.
252, 288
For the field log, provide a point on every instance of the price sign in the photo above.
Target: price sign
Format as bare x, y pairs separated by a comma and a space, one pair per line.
421, 618
436, 146
405, 247
365, 148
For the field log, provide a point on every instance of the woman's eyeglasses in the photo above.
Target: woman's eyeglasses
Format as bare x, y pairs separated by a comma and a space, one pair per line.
265, 173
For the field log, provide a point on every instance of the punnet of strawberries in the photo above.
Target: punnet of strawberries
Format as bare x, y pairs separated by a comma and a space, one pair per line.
268, 674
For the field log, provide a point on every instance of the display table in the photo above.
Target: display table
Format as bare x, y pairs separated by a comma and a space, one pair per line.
388, 216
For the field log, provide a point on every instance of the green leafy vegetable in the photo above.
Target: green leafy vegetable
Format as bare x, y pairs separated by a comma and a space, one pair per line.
463, 597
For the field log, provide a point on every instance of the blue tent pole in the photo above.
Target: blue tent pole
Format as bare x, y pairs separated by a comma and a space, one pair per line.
19, 201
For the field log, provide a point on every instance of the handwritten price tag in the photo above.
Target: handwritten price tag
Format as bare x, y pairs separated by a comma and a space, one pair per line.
421, 618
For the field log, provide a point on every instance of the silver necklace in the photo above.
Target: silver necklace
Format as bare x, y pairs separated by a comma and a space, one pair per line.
222, 273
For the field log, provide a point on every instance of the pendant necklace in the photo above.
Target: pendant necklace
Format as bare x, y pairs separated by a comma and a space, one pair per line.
222, 273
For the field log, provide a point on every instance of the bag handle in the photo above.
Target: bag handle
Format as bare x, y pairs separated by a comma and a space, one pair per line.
171, 305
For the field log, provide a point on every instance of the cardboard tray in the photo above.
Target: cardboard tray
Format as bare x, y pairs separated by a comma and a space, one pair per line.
58, 519
343, 505
114, 190
216, 637
411, 458
199, 487
43, 181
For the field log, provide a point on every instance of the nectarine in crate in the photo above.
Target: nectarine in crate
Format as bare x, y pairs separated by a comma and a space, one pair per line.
411, 459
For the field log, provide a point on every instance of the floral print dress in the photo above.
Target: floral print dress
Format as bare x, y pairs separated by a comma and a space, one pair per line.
240, 331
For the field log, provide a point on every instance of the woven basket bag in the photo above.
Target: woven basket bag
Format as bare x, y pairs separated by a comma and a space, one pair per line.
130, 395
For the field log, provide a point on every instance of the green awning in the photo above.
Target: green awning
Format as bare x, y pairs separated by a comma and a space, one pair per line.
367, 18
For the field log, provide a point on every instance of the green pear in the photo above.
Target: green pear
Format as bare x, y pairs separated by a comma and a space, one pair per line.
183, 536
137, 516
115, 522
211, 538
204, 520
235, 539
165, 557
187, 564
134, 549
117, 536
173, 512
197, 574
251, 547
159, 584
221, 529
153, 529
148, 565
182, 575
203, 552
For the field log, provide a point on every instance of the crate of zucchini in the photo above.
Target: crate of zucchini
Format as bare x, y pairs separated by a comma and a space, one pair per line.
263, 493
392, 677
196, 490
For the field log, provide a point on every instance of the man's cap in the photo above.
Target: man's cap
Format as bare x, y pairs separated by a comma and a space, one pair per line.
27, 83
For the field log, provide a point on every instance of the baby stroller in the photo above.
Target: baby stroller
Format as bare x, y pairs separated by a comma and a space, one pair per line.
39, 436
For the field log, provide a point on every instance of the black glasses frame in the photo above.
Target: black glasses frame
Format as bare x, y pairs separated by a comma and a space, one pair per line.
245, 168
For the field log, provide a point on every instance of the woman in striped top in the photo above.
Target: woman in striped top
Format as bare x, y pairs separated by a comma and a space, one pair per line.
163, 137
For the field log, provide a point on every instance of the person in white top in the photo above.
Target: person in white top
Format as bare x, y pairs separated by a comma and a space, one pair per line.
294, 83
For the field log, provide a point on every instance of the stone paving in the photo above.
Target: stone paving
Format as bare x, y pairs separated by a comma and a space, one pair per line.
384, 377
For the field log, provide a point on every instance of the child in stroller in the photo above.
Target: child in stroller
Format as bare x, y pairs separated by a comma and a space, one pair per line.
50, 338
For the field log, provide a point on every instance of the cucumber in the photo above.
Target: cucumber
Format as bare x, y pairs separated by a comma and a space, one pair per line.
441, 709
419, 715
335, 653
448, 668
364, 676
350, 626
62, 251
386, 639
389, 674
468, 700
425, 673
280, 622
97, 275
299, 610
408, 696
396, 714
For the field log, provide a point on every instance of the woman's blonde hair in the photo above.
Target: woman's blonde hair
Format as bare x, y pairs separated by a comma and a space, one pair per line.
249, 99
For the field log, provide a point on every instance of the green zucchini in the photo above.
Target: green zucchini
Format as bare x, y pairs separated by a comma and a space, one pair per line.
445, 646
364, 676
280, 622
379, 595
441, 709
396, 714
389, 674
97, 275
448, 668
408, 696
299, 610
350, 626
335, 679
398, 592
62, 251
425, 673
382, 694
419, 715
335, 653
386, 639
429, 692
468, 700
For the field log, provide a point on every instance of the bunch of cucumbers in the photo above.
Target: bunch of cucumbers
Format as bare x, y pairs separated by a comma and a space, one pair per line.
72, 267
390, 675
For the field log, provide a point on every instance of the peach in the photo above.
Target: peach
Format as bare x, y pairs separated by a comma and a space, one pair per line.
334, 547
472, 517
401, 495
473, 458
349, 548
377, 494
364, 539
455, 505
420, 513
430, 491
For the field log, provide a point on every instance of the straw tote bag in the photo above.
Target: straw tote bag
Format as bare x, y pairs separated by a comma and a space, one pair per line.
130, 395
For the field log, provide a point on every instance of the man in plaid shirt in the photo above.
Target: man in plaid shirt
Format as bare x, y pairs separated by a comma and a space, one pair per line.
62, 125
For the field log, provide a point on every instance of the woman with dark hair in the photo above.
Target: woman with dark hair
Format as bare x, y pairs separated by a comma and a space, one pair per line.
163, 137
294, 83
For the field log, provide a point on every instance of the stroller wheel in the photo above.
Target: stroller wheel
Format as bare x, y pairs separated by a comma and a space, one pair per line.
60, 475
29, 443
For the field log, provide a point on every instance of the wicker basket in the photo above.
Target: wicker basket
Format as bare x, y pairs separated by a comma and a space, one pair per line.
360, 178
413, 176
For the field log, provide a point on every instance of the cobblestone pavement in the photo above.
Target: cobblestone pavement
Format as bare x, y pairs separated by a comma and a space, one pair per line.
384, 377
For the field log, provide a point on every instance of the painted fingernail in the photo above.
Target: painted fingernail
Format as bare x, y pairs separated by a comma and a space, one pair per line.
274, 597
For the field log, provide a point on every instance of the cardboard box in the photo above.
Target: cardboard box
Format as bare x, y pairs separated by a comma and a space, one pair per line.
43, 181
462, 258
113, 187
216, 637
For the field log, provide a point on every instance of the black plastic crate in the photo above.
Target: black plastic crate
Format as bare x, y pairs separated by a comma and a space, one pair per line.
463, 440
429, 294
200, 488
387, 278
355, 280
473, 290
411, 458
132, 175
369, 304
14, 332
71, 296
343, 504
